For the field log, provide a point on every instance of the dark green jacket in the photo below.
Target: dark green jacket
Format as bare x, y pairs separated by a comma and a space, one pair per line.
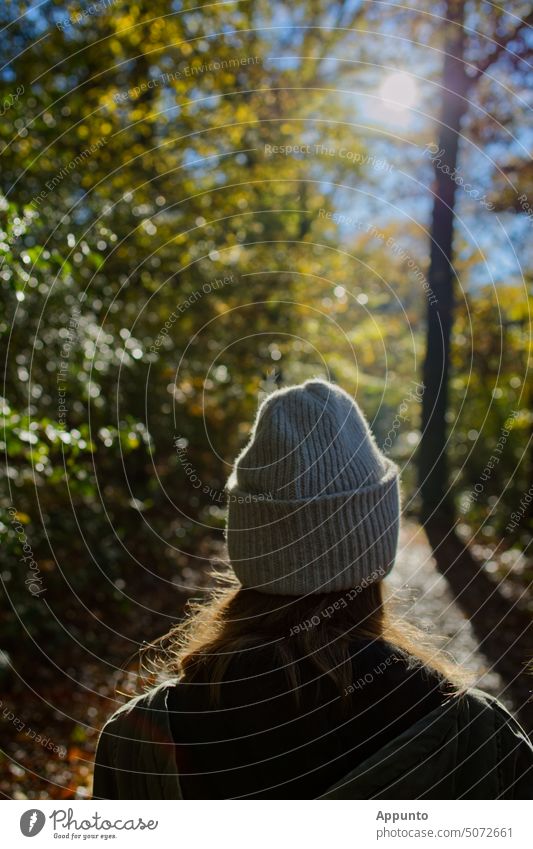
469, 748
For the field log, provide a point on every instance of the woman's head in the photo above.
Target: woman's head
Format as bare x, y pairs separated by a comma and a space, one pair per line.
312, 529
313, 504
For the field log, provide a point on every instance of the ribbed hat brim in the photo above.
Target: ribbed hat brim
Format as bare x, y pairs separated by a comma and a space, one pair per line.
318, 545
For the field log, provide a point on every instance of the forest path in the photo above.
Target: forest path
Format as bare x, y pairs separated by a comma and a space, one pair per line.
432, 605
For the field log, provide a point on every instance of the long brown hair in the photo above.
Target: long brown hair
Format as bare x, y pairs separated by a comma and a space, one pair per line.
318, 628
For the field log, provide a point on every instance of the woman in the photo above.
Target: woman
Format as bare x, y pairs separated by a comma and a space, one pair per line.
298, 681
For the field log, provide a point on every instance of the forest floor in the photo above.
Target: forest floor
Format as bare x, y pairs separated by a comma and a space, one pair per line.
48, 734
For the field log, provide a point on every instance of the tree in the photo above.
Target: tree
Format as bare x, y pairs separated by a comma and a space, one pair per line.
459, 79
489, 610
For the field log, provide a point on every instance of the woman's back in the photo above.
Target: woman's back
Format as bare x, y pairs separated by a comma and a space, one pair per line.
259, 742
467, 747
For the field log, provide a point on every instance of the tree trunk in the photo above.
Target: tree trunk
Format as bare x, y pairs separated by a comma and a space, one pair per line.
502, 628
432, 456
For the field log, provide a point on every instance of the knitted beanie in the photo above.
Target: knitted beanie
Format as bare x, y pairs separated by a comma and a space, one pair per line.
313, 505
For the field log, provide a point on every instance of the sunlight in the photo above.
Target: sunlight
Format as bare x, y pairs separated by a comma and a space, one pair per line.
399, 91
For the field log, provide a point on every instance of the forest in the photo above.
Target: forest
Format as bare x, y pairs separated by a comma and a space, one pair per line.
200, 203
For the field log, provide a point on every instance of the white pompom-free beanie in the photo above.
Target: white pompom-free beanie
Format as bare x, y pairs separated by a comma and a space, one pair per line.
313, 504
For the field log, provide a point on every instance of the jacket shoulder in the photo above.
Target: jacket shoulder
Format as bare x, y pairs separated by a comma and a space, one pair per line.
153, 700
497, 740
135, 751
480, 701
470, 747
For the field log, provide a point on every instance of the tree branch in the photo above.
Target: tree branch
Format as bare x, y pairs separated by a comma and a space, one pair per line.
500, 48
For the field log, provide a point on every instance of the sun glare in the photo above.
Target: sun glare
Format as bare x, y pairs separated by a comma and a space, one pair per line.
399, 91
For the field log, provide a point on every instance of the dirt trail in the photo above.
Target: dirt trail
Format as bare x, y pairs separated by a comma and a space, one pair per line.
432, 605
